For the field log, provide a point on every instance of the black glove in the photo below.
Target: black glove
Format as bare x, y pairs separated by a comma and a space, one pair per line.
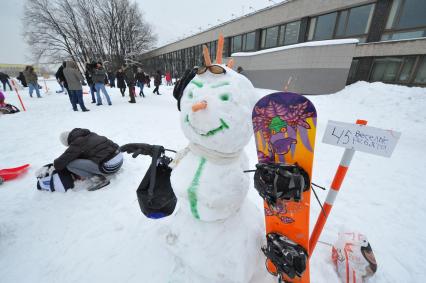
139, 148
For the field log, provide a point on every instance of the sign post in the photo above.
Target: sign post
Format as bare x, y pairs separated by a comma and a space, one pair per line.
16, 90
354, 137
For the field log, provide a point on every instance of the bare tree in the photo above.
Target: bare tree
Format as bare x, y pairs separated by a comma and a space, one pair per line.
86, 30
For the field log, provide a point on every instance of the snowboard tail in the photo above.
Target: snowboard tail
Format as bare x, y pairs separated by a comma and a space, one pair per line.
284, 127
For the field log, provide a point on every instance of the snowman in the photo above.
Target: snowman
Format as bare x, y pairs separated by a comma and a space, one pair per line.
215, 233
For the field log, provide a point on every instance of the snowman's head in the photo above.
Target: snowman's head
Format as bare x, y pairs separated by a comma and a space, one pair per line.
216, 109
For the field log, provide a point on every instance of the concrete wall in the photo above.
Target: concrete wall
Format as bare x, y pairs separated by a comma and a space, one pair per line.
392, 48
314, 69
282, 13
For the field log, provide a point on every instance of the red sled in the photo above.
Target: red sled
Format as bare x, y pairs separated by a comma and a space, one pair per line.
12, 173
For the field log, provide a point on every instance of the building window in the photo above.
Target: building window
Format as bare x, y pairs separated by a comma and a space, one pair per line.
270, 37
280, 35
292, 33
407, 69
352, 71
325, 26
250, 41
399, 70
385, 69
421, 73
407, 19
236, 43
346, 23
359, 20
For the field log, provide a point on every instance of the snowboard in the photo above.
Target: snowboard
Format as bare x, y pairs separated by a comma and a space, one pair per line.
12, 173
284, 126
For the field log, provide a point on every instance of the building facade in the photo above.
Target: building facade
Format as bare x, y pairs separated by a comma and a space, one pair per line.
391, 34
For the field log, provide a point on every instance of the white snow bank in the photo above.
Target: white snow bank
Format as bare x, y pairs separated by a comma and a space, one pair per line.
102, 236
299, 45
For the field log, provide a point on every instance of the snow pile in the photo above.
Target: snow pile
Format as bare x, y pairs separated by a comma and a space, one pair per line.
102, 236
299, 45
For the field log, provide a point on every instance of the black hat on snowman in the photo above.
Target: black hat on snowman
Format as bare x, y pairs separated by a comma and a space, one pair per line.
189, 74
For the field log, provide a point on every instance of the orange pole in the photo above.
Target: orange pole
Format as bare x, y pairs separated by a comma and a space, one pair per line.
332, 193
16, 90
45, 86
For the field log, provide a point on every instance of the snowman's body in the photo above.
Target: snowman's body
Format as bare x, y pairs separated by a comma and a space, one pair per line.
216, 232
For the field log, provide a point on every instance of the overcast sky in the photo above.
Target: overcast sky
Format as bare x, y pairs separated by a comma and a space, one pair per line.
170, 19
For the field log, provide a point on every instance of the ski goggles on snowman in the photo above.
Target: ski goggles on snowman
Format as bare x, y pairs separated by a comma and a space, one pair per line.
215, 69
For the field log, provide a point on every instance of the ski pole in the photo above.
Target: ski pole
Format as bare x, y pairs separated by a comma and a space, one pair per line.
332, 193
16, 90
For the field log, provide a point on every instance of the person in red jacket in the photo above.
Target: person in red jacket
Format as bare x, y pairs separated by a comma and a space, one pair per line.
168, 78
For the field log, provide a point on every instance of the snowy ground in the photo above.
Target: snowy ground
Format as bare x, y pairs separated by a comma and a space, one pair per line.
102, 236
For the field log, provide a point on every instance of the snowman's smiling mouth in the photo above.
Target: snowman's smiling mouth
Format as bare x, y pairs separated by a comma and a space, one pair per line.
222, 127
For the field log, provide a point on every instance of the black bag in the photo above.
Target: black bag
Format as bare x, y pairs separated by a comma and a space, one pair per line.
52, 180
155, 194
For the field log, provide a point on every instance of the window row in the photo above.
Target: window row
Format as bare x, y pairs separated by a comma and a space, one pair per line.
396, 69
280, 35
243, 42
407, 19
354, 22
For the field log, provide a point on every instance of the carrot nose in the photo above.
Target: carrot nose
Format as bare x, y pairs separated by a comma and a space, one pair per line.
199, 106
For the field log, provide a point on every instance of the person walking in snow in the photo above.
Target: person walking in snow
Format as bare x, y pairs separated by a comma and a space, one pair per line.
121, 84
140, 81
21, 78
99, 81
148, 81
168, 79
4, 78
157, 82
59, 75
129, 76
75, 89
111, 78
89, 156
31, 78
89, 79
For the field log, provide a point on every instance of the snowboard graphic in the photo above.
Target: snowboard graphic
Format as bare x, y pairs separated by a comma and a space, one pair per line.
12, 173
284, 126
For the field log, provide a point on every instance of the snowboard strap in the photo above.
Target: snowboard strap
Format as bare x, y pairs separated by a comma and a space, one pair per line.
280, 182
287, 256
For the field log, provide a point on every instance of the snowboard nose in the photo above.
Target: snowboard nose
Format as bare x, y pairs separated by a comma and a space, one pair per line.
199, 106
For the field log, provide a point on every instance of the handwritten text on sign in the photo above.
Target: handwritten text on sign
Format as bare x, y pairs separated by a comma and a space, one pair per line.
361, 138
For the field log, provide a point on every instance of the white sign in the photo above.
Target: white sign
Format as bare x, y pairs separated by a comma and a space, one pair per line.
361, 138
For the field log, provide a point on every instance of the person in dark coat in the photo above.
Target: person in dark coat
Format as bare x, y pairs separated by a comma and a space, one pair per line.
21, 78
140, 81
129, 76
4, 78
111, 78
148, 81
121, 84
75, 88
157, 82
89, 156
60, 76
89, 80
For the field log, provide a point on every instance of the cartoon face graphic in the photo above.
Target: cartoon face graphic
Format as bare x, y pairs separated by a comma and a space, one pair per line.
279, 140
216, 110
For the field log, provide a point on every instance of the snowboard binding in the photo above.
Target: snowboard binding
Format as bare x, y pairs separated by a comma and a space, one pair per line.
287, 256
280, 182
